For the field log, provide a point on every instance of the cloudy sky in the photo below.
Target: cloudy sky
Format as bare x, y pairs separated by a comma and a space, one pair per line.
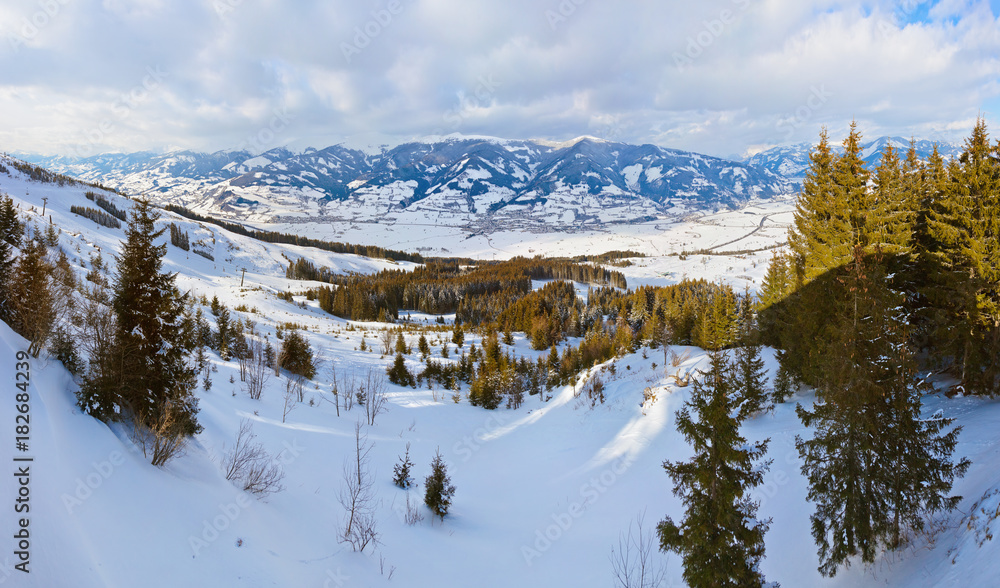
723, 77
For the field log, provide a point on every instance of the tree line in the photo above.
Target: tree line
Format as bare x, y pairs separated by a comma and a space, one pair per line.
290, 239
890, 272
477, 294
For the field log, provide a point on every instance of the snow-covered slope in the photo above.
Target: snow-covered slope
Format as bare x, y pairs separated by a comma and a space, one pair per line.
543, 492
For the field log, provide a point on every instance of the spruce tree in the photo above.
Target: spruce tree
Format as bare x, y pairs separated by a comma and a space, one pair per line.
720, 539
963, 258
296, 355
156, 382
439, 490
401, 471
11, 232
873, 465
749, 375
399, 374
32, 312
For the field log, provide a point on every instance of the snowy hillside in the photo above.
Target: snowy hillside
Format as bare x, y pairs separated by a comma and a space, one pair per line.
543, 491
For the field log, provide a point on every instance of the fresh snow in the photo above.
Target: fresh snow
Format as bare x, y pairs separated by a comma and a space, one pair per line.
542, 492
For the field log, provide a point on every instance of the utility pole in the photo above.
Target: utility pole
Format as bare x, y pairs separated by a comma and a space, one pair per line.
243, 276
44, 202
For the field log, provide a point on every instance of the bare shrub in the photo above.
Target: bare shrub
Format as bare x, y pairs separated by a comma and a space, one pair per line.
257, 371
412, 516
163, 439
594, 389
293, 391
357, 495
373, 386
388, 341
634, 562
250, 466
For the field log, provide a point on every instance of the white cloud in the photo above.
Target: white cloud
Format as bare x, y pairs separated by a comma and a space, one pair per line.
715, 76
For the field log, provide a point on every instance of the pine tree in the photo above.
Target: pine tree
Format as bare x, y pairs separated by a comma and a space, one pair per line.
777, 286
423, 346
11, 232
223, 337
749, 374
963, 257
296, 355
820, 227
873, 465
399, 374
783, 385
156, 383
720, 540
439, 489
401, 471
32, 313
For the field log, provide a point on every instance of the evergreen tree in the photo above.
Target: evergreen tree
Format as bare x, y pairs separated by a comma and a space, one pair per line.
401, 471
152, 380
439, 490
777, 286
458, 335
223, 337
783, 385
720, 540
749, 375
964, 259
818, 238
32, 313
296, 355
873, 465
10, 238
399, 374
423, 346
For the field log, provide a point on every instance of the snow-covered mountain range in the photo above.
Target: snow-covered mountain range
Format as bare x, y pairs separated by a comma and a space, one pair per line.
471, 181
792, 161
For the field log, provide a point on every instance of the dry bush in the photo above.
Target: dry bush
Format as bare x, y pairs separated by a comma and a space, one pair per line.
250, 466
357, 495
634, 563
